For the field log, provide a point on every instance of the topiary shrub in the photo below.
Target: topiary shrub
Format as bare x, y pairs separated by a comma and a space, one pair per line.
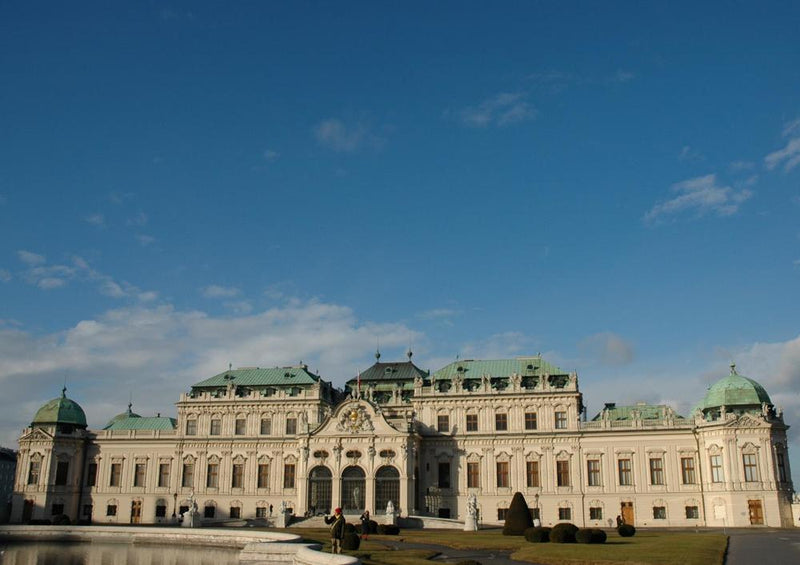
626, 531
599, 536
351, 541
373, 527
468, 562
388, 529
584, 535
349, 529
61, 520
538, 535
39, 522
518, 518
563, 533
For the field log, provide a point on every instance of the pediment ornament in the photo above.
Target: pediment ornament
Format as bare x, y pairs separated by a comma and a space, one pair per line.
355, 419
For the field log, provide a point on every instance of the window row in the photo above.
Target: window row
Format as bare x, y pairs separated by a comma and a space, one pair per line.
240, 426
501, 421
596, 513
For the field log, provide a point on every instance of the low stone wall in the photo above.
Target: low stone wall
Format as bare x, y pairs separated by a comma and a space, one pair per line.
267, 548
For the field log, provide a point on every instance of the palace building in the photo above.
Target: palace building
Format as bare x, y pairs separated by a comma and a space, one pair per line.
249, 441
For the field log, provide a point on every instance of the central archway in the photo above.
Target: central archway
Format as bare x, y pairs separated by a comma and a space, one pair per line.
320, 482
353, 489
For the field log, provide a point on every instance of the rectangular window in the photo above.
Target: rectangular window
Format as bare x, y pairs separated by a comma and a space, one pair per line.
138, 474
261, 511
57, 509
473, 475
216, 427
187, 480
530, 420
266, 426
750, 467
163, 474
561, 420
263, 475
212, 478
161, 511
625, 474
62, 469
502, 474
115, 479
595, 513
692, 513
288, 475
659, 513
502, 513
209, 511
91, 475
237, 477
443, 423
562, 473
687, 471
472, 422
717, 475
191, 427
501, 421
111, 510
444, 475
87, 510
656, 471
291, 426
240, 426
593, 472
565, 513
781, 460
236, 512
532, 473
33, 472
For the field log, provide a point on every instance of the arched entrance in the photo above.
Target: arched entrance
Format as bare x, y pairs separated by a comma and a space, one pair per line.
353, 489
387, 487
320, 480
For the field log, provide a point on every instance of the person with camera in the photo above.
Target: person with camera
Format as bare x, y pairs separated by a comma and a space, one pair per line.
337, 523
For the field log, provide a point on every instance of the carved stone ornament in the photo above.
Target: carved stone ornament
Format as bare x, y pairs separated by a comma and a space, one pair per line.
355, 419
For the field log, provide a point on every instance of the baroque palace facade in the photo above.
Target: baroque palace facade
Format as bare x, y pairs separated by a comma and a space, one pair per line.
250, 441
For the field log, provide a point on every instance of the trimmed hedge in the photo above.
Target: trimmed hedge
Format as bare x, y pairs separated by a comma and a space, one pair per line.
563, 533
518, 518
349, 528
468, 562
626, 531
61, 520
590, 535
538, 535
351, 541
388, 529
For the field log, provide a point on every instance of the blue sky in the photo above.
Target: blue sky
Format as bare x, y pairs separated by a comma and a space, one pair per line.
187, 185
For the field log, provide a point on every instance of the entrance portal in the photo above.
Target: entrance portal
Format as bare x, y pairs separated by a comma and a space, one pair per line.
387, 487
627, 512
320, 482
353, 487
756, 512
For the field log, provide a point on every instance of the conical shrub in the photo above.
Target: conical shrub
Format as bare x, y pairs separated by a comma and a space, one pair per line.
518, 518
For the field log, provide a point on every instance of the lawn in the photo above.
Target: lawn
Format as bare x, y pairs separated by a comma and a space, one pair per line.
646, 547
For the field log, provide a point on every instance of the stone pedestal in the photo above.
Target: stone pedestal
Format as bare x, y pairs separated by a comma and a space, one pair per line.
390, 518
191, 519
471, 524
283, 519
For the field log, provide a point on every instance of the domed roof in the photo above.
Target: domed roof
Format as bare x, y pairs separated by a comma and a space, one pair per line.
735, 390
120, 417
61, 410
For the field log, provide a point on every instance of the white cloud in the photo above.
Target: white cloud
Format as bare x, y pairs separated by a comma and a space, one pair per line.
789, 156
5, 276
438, 313
98, 220
791, 128
30, 258
499, 346
689, 154
607, 348
239, 307
139, 220
145, 240
159, 352
742, 166
622, 76
699, 196
334, 134
502, 109
216, 291
271, 155
49, 283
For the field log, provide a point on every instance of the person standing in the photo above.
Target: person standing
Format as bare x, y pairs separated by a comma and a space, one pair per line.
337, 530
365, 524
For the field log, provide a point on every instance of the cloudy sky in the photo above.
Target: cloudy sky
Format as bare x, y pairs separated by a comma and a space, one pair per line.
187, 185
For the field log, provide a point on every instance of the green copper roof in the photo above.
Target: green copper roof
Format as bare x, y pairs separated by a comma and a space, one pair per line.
256, 376
127, 414
646, 412
61, 410
523, 366
735, 390
138, 423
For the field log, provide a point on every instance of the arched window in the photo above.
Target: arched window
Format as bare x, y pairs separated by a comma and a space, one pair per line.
387, 487
319, 490
353, 487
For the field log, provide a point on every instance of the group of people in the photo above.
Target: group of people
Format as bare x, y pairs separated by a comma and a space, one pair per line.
337, 524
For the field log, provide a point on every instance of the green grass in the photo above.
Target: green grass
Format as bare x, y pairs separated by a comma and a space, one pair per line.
646, 547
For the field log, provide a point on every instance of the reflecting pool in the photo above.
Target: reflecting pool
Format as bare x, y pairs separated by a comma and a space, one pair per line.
104, 553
